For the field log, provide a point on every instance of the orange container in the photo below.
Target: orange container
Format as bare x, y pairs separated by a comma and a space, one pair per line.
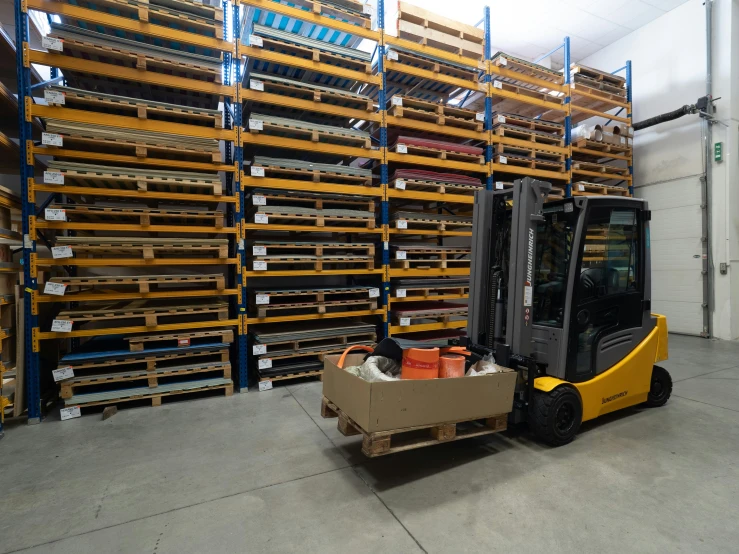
420, 363
451, 365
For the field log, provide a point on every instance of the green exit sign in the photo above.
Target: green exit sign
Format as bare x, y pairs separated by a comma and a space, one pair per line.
718, 152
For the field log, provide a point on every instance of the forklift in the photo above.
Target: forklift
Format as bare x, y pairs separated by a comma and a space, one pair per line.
561, 292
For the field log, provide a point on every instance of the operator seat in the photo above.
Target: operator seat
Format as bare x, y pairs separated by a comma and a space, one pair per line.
592, 280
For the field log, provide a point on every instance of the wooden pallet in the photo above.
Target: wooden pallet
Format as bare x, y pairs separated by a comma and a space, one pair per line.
151, 362
317, 201
317, 345
141, 343
532, 153
419, 61
603, 100
439, 225
150, 315
535, 137
317, 220
428, 263
435, 186
306, 91
606, 169
609, 88
316, 176
597, 75
380, 443
527, 69
333, 136
525, 161
440, 114
144, 283
143, 216
430, 293
337, 11
583, 188
603, 147
296, 375
90, 101
530, 123
430, 257
148, 249
502, 104
322, 263
69, 386
442, 317
441, 154
317, 352
316, 55
316, 307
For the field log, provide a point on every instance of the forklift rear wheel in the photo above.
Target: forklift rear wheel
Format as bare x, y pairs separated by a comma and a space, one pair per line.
661, 388
557, 415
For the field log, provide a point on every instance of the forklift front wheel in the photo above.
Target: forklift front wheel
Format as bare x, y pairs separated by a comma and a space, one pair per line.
557, 415
661, 388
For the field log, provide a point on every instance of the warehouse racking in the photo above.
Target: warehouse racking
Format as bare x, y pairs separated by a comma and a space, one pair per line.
131, 215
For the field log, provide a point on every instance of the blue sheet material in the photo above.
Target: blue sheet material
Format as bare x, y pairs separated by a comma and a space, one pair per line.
120, 352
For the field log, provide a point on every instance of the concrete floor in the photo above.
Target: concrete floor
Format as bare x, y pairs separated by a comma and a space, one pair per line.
262, 472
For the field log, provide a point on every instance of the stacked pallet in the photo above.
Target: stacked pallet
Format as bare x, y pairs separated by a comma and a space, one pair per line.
602, 155
139, 211
436, 161
312, 228
528, 128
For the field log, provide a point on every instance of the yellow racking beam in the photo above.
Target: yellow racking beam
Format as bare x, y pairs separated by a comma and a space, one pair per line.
546, 104
576, 108
515, 75
286, 318
309, 105
616, 103
141, 195
430, 196
127, 73
128, 122
83, 226
311, 273
139, 329
431, 272
436, 162
319, 67
134, 262
314, 18
113, 295
430, 51
53, 7
544, 174
417, 125
530, 145
433, 76
298, 144
395, 329
180, 165
308, 186
307, 229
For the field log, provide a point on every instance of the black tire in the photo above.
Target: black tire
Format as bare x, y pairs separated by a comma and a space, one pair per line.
557, 415
661, 388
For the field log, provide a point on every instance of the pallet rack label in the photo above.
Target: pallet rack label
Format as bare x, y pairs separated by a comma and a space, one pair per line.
498, 185
502, 159
256, 125
259, 266
55, 214
62, 373
257, 171
501, 119
183, 342
256, 85
480, 116
498, 84
259, 250
396, 101
58, 252
265, 385
53, 177
405, 321
402, 149
400, 293
70, 413
262, 298
57, 289
262, 219
255, 40
374, 293
51, 43
400, 255
259, 349
259, 200
401, 224
54, 97
392, 55
400, 184
52, 139
62, 326
265, 363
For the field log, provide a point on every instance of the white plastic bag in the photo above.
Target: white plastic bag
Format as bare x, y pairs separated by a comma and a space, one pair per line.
486, 366
376, 368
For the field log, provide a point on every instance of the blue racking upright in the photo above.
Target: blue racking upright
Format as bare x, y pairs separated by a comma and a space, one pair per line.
137, 150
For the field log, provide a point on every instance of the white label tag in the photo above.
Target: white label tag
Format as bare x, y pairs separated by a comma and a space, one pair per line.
402, 149
259, 265
52, 139
254, 40
61, 326
27, 242
623, 140
57, 289
396, 101
265, 363
54, 97
53, 177
259, 250
262, 299
257, 171
55, 214
528, 295
392, 55
261, 218
51, 43
400, 293
70, 413
241, 244
61, 252
581, 188
400, 255
62, 373
265, 385
374, 293
256, 85
256, 125
386, 245
502, 61
497, 84
501, 119
499, 185
259, 349
400, 184
259, 200
480, 116
503, 160
405, 321
401, 224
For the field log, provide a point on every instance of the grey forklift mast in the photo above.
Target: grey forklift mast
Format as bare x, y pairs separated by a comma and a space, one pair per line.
485, 304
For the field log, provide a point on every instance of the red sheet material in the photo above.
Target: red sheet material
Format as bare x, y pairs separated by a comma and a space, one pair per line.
440, 145
422, 175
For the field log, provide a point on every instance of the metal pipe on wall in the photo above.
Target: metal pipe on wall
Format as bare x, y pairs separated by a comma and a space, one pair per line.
706, 183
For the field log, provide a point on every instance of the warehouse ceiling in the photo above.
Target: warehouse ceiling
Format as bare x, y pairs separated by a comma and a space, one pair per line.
531, 28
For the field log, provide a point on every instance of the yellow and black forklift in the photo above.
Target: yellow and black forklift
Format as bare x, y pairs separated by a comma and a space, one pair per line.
561, 292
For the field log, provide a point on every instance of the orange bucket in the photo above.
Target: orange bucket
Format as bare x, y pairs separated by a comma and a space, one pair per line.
451, 365
420, 363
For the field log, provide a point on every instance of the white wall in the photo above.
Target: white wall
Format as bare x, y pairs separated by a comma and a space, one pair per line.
669, 70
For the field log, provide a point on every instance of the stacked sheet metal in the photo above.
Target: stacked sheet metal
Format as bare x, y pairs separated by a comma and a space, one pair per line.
300, 164
291, 38
423, 175
431, 283
300, 330
299, 210
417, 216
268, 78
440, 145
307, 126
429, 308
